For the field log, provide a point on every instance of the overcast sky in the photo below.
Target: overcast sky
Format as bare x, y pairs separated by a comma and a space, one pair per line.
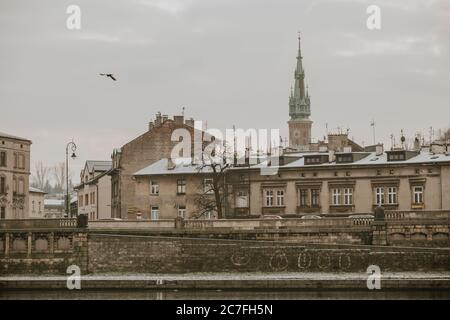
229, 62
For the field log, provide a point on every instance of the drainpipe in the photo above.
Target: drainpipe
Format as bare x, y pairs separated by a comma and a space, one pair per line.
97, 198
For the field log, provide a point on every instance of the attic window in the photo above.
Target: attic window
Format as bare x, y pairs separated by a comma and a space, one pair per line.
396, 156
312, 160
344, 158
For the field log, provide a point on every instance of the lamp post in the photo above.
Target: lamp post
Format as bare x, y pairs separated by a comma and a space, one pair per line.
73, 147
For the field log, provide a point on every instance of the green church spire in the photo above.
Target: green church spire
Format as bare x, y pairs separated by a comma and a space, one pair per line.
299, 101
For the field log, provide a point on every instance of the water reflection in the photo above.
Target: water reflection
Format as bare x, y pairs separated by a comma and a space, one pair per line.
221, 295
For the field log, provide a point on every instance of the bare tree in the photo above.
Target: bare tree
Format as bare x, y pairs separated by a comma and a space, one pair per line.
213, 191
41, 176
59, 174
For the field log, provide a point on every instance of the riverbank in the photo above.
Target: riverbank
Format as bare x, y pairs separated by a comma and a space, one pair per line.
238, 281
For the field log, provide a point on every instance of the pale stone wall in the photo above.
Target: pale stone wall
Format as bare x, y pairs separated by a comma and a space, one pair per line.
101, 207
36, 205
16, 203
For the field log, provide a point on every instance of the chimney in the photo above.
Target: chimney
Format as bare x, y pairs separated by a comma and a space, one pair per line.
164, 118
379, 149
331, 156
150, 126
190, 122
158, 119
178, 120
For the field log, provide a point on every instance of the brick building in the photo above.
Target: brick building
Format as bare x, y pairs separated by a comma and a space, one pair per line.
153, 145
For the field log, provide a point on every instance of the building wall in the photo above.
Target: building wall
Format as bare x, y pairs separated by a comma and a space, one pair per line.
139, 153
299, 133
15, 202
36, 205
100, 192
363, 181
168, 201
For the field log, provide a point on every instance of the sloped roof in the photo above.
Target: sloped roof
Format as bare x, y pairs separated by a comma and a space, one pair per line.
9, 136
36, 190
98, 165
164, 166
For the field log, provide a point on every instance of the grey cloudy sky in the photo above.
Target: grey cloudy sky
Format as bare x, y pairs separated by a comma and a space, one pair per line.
230, 62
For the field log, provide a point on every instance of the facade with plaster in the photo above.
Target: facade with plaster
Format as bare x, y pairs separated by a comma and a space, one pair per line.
14, 176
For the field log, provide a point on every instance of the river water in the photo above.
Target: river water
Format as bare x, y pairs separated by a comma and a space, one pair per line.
222, 295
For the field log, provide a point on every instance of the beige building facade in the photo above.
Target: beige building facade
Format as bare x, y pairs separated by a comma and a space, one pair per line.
94, 191
36, 203
14, 176
319, 183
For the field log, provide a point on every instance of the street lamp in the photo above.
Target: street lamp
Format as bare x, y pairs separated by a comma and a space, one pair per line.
73, 147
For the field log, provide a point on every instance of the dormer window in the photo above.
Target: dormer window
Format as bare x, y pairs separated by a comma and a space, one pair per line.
344, 158
315, 159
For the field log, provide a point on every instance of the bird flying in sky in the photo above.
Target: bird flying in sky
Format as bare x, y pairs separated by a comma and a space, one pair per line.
110, 75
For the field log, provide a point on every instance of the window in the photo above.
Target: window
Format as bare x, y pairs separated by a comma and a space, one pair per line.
182, 211
32, 205
86, 199
40, 207
303, 197
155, 213
2, 158
418, 194
280, 198
181, 186
2, 213
16, 161
379, 196
315, 197
336, 196
392, 195
80, 203
21, 188
2, 185
154, 187
21, 161
242, 199
14, 185
93, 198
348, 196
208, 187
269, 198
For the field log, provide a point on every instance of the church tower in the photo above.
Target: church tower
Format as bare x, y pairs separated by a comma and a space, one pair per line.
299, 109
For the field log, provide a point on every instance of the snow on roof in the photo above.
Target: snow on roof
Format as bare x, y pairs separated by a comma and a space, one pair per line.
36, 190
164, 166
371, 159
53, 202
9, 136
98, 165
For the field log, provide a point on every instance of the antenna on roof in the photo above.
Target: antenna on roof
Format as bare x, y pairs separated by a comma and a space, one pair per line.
372, 124
182, 111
